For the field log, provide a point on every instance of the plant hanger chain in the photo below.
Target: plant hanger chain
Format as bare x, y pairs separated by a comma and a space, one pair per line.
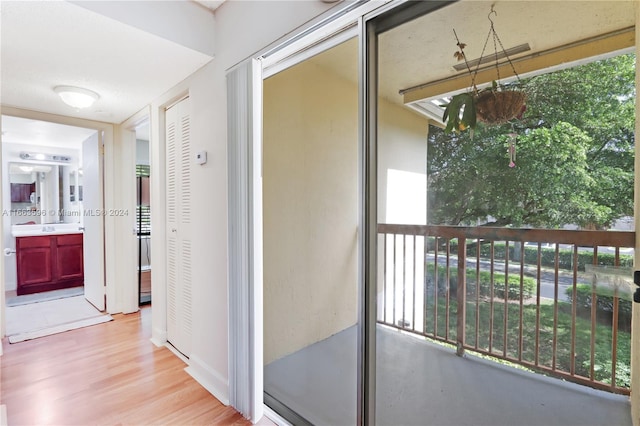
496, 38
461, 55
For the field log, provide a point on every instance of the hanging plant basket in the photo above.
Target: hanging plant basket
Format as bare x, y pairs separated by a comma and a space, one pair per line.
499, 107
496, 105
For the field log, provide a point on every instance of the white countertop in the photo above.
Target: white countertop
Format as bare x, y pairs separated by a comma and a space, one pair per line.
46, 229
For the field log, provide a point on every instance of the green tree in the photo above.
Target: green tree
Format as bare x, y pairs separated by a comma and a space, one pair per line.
574, 155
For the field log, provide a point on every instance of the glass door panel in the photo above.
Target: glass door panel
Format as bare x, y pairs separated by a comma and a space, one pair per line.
310, 211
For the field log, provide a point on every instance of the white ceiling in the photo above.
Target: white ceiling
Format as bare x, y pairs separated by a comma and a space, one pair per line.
210, 4
42, 133
49, 43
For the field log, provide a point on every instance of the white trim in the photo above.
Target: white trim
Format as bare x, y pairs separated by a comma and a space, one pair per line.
257, 330
127, 197
327, 28
158, 336
244, 112
175, 101
112, 286
345, 34
208, 379
106, 154
3, 415
275, 417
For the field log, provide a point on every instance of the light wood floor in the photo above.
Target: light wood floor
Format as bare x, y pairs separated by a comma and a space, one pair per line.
104, 374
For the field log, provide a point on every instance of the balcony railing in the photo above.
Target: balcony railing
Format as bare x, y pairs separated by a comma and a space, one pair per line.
554, 301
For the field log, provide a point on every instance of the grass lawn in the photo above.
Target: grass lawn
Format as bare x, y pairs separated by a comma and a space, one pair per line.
563, 338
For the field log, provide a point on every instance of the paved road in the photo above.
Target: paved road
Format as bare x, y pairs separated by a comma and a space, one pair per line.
547, 278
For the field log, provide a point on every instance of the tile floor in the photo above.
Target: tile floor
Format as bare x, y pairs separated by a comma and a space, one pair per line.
36, 316
420, 383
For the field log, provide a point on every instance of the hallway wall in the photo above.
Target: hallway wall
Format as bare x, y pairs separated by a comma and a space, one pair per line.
243, 22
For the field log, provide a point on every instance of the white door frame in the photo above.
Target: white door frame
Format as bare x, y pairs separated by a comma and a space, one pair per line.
244, 169
244, 122
127, 272
110, 251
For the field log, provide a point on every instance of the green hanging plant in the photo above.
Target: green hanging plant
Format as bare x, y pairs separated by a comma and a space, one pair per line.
460, 113
497, 104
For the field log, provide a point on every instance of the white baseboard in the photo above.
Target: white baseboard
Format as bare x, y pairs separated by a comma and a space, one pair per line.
209, 379
158, 337
176, 352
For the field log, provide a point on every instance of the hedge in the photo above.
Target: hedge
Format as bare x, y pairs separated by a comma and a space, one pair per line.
528, 284
547, 255
604, 303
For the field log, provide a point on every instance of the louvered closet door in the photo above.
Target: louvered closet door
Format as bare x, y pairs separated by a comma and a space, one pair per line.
179, 301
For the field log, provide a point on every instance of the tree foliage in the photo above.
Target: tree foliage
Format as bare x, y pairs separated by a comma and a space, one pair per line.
574, 155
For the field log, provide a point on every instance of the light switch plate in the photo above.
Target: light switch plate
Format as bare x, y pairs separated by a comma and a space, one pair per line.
201, 157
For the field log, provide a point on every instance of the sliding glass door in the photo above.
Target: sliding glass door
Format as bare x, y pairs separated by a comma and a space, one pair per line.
408, 386
310, 222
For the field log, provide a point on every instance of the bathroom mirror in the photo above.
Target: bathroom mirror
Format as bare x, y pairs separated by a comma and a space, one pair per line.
41, 193
75, 186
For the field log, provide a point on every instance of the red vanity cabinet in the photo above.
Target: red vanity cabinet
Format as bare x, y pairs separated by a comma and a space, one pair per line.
49, 262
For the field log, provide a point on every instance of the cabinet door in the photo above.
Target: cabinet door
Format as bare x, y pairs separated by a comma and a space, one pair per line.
34, 260
69, 259
21, 192
178, 184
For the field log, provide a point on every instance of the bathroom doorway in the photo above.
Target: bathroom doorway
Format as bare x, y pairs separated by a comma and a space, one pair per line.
143, 211
45, 209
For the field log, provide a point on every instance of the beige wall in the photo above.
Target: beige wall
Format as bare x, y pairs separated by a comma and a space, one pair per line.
402, 185
402, 165
310, 207
311, 200
241, 30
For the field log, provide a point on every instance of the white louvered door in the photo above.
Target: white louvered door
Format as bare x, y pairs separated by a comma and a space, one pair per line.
179, 300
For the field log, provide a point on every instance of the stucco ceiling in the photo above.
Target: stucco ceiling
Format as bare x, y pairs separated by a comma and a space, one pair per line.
49, 43
45, 44
422, 50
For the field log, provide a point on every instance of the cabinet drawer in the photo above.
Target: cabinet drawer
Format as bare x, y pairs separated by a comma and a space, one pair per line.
69, 239
30, 242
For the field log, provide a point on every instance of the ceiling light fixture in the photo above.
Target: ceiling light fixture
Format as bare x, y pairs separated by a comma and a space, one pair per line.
76, 97
45, 157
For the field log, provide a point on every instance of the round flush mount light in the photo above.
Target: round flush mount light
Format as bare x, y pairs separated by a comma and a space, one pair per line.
76, 97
